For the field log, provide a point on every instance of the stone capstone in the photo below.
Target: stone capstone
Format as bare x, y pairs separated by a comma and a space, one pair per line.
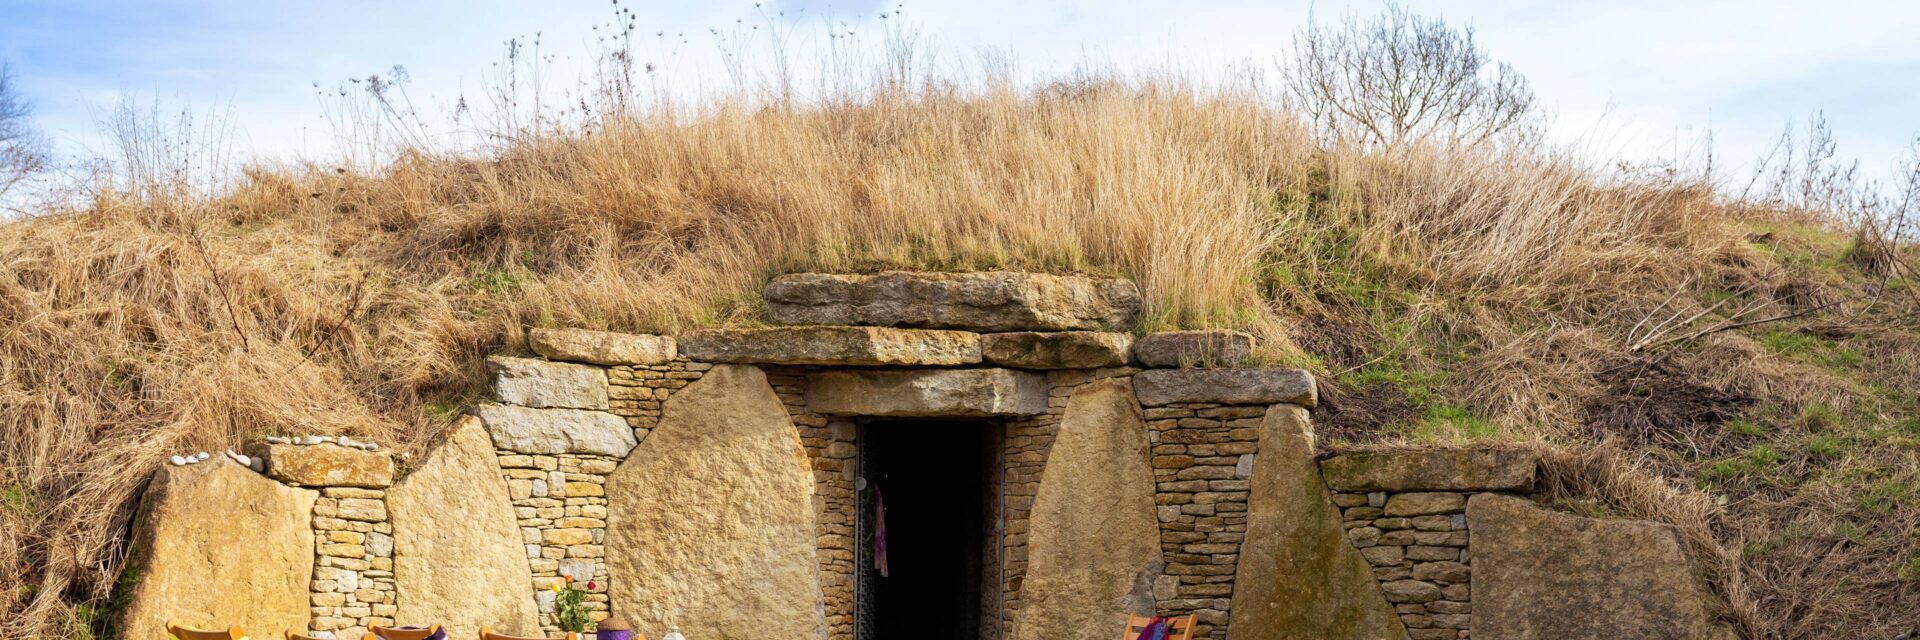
548, 385
458, 560
1093, 550
602, 347
1298, 576
710, 523
1455, 469
1207, 348
553, 431
859, 346
1538, 574
985, 301
216, 545
927, 392
324, 465
1159, 387
1056, 349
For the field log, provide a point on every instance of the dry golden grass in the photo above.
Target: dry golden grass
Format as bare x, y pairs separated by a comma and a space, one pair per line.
313, 300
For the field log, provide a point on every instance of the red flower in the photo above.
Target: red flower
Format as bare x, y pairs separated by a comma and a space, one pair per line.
590, 585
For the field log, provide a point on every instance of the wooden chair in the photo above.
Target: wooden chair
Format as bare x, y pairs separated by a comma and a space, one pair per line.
1178, 627
188, 633
400, 633
300, 636
488, 634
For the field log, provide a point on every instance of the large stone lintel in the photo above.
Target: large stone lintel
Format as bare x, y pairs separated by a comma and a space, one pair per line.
1456, 469
541, 384
1056, 349
601, 347
928, 393
1208, 348
853, 346
552, 431
1226, 386
324, 465
985, 301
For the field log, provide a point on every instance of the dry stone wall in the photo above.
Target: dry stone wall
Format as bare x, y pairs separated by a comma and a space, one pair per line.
710, 481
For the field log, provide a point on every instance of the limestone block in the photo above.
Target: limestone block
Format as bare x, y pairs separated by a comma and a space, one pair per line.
458, 560
928, 392
860, 346
1056, 349
1158, 387
1454, 469
555, 431
1541, 574
602, 347
1299, 577
1093, 547
1207, 348
548, 385
985, 301
710, 523
1424, 503
215, 545
324, 465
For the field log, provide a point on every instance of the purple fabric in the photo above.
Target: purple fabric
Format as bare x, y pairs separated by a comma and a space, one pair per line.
1156, 629
880, 531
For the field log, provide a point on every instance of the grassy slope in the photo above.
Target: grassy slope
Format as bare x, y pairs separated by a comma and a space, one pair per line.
1442, 296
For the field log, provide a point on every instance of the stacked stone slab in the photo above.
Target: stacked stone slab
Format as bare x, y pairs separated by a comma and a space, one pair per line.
557, 438
1406, 511
1202, 465
353, 581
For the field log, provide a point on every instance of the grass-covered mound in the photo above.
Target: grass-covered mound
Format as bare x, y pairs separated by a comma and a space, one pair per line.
1745, 371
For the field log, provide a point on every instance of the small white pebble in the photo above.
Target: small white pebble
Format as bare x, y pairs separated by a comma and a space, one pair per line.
203, 455
257, 464
177, 461
320, 439
310, 440
277, 440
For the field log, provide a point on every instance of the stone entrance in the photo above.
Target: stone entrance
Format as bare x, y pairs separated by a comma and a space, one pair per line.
929, 534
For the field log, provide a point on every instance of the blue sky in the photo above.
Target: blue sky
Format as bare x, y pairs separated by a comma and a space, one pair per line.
1635, 78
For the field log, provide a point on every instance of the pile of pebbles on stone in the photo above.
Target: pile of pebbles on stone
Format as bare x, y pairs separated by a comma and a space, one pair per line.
260, 465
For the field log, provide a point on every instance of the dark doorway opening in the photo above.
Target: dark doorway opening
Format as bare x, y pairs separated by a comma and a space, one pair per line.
933, 487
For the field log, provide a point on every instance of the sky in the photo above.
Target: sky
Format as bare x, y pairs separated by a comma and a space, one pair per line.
1629, 79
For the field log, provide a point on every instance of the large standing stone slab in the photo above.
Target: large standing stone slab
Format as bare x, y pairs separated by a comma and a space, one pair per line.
548, 385
602, 347
1226, 386
855, 346
324, 465
1452, 469
457, 557
1538, 574
710, 522
1056, 349
1094, 544
551, 431
1205, 348
217, 545
928, 393
1299, 578
986, 301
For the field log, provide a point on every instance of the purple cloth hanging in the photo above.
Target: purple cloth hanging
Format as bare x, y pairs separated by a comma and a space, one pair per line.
880, 531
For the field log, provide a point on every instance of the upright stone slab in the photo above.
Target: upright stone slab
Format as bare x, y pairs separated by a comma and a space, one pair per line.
1094, 544
217, 545
985, 301
1540, 575
457, 557
928, 393
1299, 578
711, 523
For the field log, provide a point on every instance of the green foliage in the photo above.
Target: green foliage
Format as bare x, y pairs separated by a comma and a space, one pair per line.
1750, 466
569, 612
1911, 572
1827, 353
1748, 427
495, 281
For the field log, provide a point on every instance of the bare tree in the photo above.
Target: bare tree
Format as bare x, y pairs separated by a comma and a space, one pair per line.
1401, 78
22, 149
